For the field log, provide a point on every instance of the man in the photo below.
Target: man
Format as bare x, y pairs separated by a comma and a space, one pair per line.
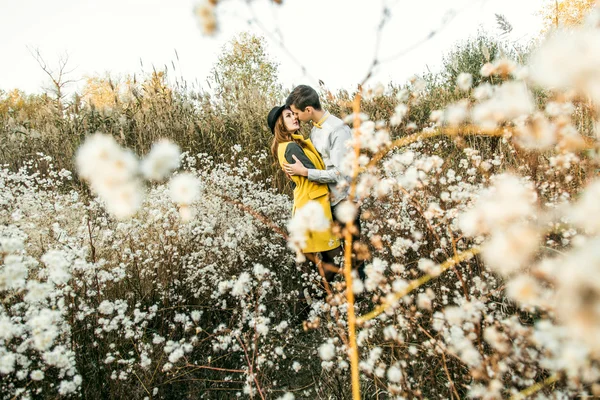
331, 137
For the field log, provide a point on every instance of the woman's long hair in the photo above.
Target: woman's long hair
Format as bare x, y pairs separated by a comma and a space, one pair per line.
281, 135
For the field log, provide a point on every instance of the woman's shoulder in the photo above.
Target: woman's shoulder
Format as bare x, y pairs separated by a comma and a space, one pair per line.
293, 146
282, 146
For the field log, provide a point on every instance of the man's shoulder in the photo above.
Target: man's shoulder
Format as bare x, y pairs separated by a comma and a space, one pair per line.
334, 120
334, 124
338, 128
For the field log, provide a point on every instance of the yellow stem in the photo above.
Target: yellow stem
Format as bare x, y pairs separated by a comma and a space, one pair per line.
446, 131
536, 387
353, 350
351, 318
449, 263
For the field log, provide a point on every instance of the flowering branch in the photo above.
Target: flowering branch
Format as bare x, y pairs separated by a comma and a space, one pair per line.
255, 214
348, 257
251, 372
416, 137
536, 387
321, 265
465, 255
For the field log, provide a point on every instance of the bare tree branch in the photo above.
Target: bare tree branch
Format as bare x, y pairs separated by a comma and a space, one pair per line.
57, 76
276, 36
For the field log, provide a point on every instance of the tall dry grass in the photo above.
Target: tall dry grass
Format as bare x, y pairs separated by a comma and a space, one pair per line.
166, 270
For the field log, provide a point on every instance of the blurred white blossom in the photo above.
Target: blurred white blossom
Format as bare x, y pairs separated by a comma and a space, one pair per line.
161, 161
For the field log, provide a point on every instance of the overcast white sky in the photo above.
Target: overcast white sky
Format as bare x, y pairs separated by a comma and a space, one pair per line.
333, 39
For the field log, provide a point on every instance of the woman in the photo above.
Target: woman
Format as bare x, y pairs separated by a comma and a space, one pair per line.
323, 245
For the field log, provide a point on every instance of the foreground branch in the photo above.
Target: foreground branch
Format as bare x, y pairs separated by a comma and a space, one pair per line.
469, 130
449, 263
536, 387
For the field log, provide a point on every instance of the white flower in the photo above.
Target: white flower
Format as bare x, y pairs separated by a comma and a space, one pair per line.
504, 67
510, 249
357, 285
11, 245
44, 328
205, 13
394, 374
436, 115
145, 361
37, 291
59, 357
483, 91
466, 351
67, 387
506, 201
161, 161
112, 174
260, 271
510, 101
495, 339
537, 133
327, 351
263, 328
37, 375
402, 95
429, 267
184, 188
423, 301
176, 355
456, 113
123, 200
57, 266
283, 325
287, 396
158, 339
9, 330
569, 59
586, 206
399, 113
186, 213
524, 289
106, 307
101, 156
242, 285
346, 211
313, 216
196, 315
464, 81
375, 273
309, 218
14, 273
487, 69
367, 128
7, 363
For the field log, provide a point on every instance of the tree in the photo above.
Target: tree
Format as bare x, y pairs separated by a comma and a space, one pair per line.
244, 71
565, 13
22, 107
101, 92
57, 75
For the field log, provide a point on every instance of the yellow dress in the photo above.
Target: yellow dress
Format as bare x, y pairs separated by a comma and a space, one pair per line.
306, 191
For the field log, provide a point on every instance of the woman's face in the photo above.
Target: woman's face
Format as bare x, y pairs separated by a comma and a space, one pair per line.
290, 121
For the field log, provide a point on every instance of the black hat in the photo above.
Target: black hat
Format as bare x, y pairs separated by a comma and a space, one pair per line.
273, 115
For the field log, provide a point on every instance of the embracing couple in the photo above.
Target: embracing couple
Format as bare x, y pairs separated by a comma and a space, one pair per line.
314, 166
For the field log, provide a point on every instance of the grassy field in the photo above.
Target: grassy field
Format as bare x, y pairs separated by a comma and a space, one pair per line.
478, 189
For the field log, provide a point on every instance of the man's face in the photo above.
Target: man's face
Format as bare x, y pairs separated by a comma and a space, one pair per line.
303, 116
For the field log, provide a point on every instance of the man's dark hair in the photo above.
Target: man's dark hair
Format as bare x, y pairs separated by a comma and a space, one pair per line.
303, 96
